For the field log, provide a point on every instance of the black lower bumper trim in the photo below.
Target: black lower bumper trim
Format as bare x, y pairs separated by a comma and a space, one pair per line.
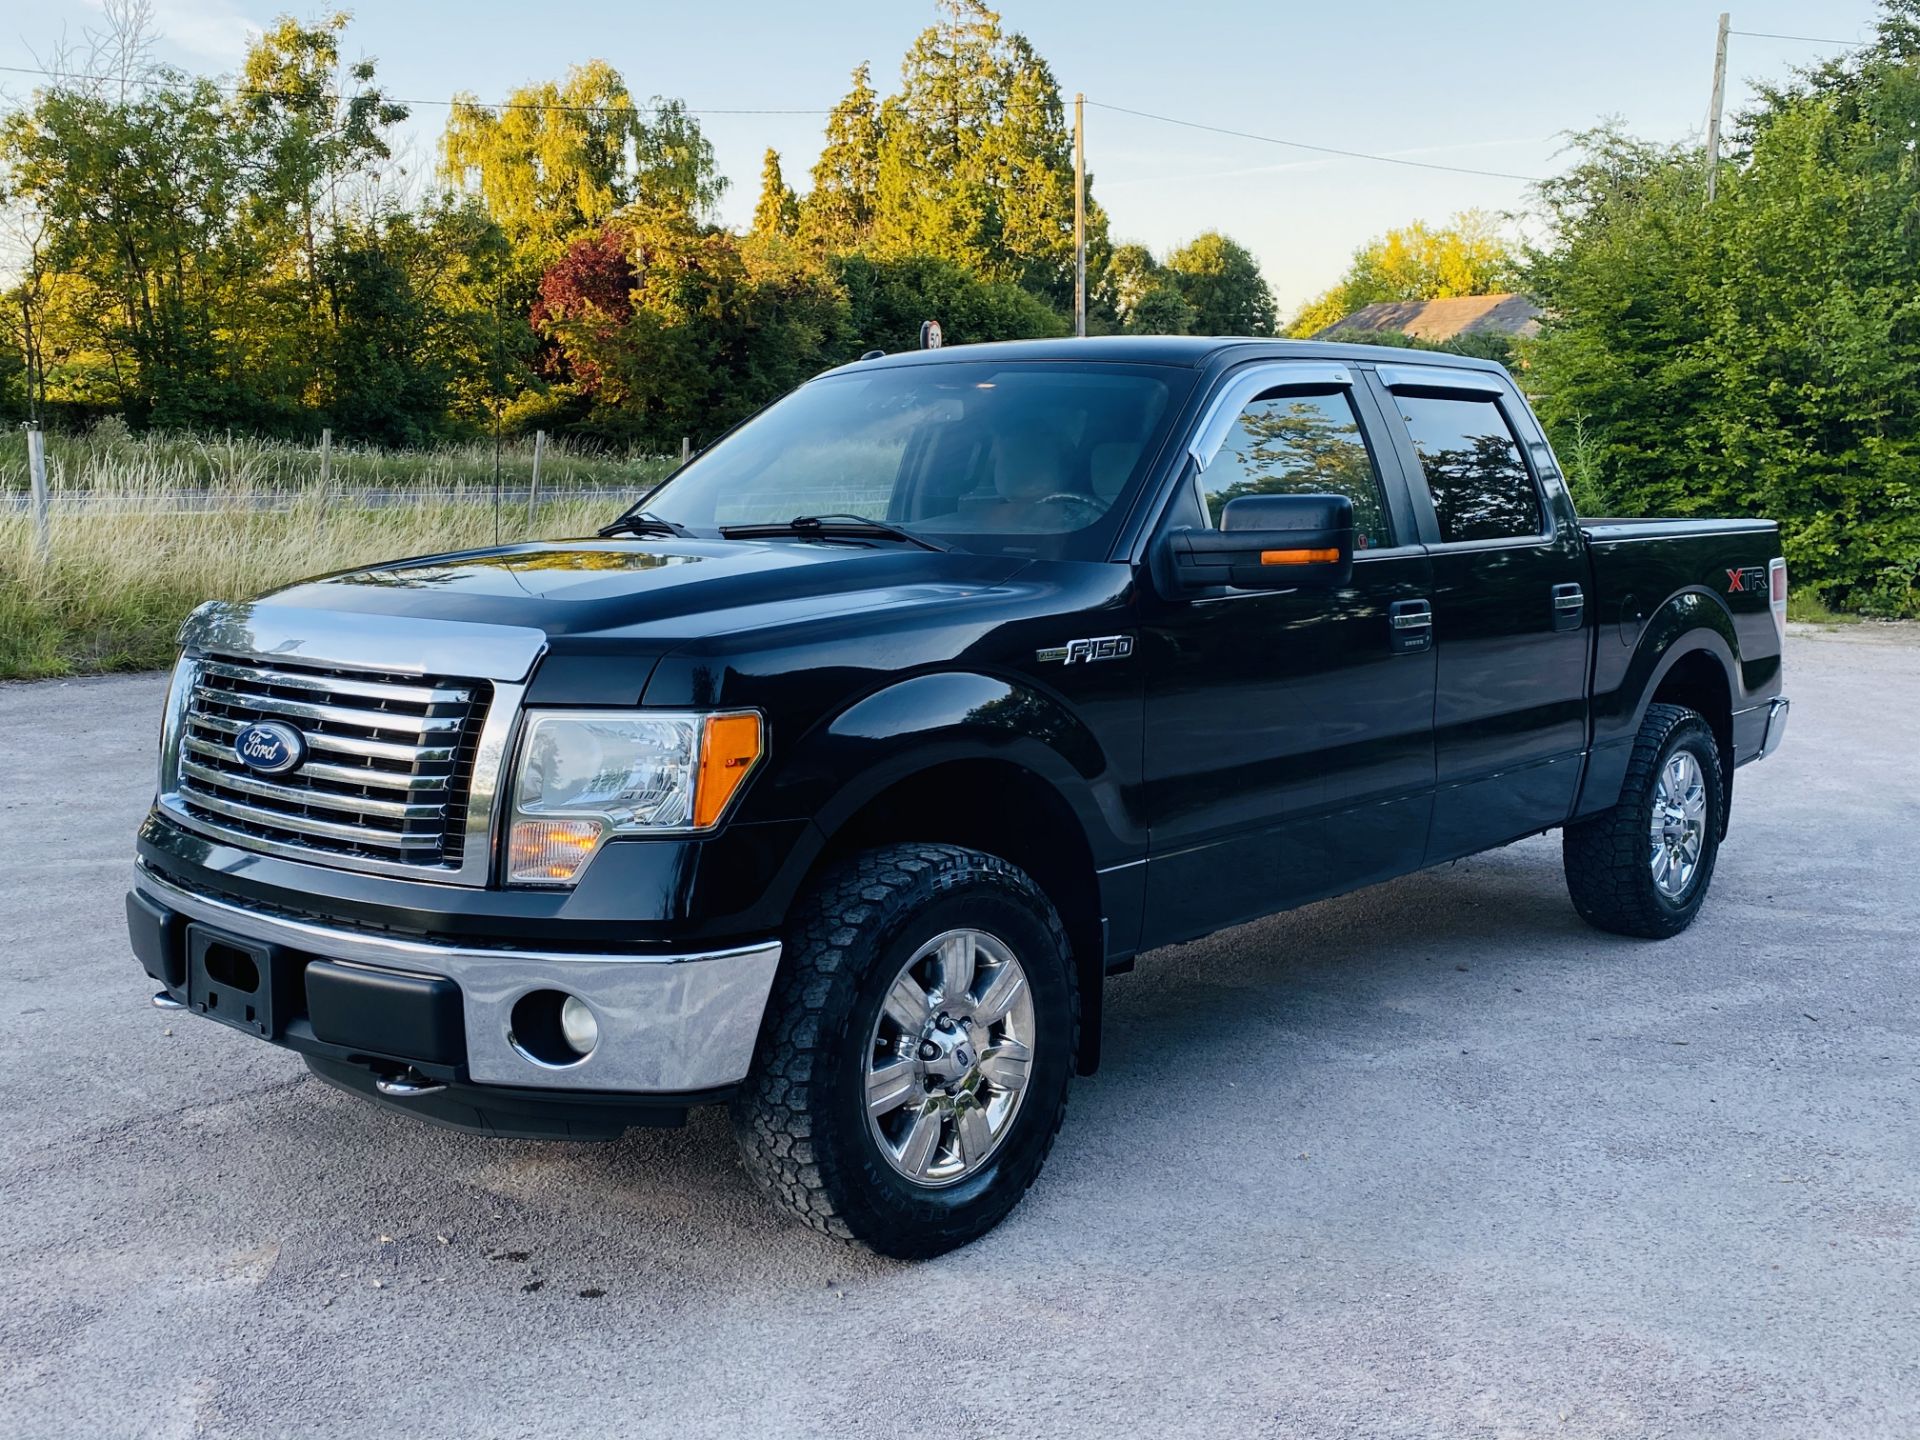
522, 1114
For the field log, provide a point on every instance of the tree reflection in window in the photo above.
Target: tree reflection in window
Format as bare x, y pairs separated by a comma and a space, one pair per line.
1299, 445
1479, 482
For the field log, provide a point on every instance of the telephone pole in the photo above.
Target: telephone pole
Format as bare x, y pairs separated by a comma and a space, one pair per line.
1713, 107
1080, 213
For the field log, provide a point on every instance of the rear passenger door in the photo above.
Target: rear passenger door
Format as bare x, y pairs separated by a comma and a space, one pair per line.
1510, 612
1289, 749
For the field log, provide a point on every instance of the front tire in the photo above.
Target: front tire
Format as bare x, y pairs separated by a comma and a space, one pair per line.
1642, 868
913, 1066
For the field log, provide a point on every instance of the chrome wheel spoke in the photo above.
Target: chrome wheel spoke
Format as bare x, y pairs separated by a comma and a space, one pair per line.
1002, 993
947, 1071
956, 967
891, 1085
974, 1135
922, 1140
907, 1005
1006, 1065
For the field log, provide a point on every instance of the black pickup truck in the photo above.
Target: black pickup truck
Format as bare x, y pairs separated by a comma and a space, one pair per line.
832, 779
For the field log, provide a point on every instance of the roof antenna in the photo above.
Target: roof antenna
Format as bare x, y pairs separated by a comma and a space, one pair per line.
873, 355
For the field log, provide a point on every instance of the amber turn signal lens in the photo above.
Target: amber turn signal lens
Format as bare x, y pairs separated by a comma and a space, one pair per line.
729, 748
1299, 557
550, 850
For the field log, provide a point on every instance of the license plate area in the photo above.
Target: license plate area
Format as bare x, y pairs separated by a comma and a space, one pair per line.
242, 983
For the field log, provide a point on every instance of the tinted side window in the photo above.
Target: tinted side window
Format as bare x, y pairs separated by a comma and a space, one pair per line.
1479, 482
1299, 445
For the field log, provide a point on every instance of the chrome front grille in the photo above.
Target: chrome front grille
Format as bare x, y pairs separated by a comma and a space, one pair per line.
387, 778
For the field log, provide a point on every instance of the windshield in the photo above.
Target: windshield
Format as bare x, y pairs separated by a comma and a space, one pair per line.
1038, 458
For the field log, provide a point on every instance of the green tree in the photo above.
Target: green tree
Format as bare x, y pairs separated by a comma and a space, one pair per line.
678, 328
309, 129
1759, 355
777, 211
976, 161
838, 213
557, 159
1162, 310
1466, 256
889, 298
1221, 282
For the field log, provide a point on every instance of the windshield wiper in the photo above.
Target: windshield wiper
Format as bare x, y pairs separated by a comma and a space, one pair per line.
850, 526
645, 523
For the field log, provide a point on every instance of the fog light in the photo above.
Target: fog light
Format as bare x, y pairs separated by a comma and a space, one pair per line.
577, 1025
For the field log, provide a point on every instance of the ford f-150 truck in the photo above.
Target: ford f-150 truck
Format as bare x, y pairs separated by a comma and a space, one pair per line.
832, 779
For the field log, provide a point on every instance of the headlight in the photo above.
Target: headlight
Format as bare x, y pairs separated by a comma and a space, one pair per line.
583, 775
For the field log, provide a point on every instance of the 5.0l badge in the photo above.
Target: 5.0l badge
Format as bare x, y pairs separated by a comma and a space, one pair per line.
1085, 652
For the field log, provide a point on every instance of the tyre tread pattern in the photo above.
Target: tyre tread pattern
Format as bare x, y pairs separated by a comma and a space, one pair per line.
776, 1120
1606, 854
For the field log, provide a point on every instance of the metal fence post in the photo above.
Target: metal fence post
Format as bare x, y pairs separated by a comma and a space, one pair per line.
37, 476
533, 486
326, 468
686, 448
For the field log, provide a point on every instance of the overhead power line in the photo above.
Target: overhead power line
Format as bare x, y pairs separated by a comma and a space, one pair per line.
656, 107
1808, 39
1316, 149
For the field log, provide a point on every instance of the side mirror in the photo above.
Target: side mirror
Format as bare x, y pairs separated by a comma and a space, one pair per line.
1270, 542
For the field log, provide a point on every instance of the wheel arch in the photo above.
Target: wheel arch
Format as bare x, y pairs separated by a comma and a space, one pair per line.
1685, 655
983, 762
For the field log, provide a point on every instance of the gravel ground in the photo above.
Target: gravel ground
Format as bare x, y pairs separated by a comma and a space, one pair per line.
1434, 1159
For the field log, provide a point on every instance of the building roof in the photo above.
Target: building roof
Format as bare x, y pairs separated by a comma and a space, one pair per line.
1447, 319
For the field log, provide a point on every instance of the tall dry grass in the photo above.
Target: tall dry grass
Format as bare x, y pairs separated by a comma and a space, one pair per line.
109, 457
123, 571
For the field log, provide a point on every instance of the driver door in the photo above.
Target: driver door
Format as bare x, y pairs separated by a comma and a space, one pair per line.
1288, 749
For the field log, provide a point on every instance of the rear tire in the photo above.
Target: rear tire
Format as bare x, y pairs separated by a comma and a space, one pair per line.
843, 1036
1642, 868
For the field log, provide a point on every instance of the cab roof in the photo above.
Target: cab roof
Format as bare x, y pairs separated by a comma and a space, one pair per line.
1187, 351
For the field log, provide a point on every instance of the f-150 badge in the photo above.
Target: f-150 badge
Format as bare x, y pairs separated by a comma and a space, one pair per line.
1085, 652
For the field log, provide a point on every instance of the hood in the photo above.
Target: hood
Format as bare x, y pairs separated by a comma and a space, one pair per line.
652, 593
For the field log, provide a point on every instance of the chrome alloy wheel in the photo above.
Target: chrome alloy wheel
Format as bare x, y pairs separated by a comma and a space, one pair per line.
1679, 825
949, 1058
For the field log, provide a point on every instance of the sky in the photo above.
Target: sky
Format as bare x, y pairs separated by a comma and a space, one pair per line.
1495, 85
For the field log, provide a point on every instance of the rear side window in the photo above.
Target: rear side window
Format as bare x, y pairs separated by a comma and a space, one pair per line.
1299, 445
1479, 482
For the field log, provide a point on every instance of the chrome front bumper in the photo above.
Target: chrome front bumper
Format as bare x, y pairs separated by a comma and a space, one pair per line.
668, 1023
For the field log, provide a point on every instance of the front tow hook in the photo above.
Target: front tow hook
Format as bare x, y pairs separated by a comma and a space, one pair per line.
164, 1001
407, 1085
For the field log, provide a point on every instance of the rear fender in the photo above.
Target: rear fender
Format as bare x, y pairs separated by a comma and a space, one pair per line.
1692, 622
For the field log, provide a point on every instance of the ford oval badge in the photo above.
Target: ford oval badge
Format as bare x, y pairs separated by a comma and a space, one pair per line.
270, 748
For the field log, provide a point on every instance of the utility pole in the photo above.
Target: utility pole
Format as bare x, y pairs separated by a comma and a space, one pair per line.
1713, 108
1080, 214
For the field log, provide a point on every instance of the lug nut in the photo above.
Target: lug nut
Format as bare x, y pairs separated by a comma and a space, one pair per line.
929, 1050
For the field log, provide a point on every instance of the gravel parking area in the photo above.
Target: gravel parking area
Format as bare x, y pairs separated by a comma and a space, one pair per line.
1430, 1160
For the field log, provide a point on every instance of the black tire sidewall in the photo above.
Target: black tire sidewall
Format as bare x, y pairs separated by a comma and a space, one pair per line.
881, 1205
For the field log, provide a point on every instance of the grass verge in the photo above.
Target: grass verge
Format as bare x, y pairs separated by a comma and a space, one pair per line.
121, 575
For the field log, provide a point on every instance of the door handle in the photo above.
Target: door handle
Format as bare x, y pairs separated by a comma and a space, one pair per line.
1411, 622
1569, 606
